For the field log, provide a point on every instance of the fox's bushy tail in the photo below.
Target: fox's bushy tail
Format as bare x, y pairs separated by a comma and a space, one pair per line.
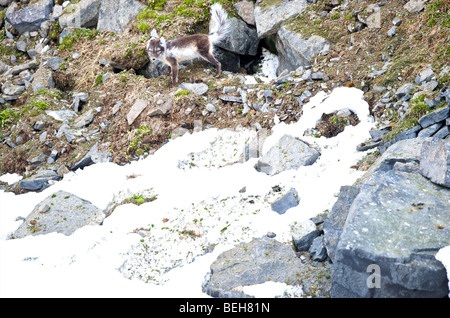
218, 26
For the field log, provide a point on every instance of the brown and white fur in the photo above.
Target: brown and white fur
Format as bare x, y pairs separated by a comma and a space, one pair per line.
192, 46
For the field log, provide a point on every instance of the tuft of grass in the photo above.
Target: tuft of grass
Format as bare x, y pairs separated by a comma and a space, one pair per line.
78, 35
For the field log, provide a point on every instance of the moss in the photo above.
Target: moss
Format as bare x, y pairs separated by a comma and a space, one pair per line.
78, 35
303, 24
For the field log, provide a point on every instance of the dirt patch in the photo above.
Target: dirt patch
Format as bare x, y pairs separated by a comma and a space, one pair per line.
331, 125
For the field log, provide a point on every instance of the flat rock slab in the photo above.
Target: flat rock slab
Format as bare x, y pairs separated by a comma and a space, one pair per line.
268, 17
196, 88
435, 161
61, 212
252, 263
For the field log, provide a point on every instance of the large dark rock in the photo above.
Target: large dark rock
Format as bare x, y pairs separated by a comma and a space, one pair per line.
31, 17
295, 51
395, 226
335, 221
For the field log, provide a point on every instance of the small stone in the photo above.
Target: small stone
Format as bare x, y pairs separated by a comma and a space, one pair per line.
39, 126
317, 76
230, 98
21, 46
54, 63
397, 21
43, 208
424, 76
392, 32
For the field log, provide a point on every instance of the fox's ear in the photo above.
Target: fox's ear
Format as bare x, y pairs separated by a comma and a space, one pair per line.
162, 41
154, 34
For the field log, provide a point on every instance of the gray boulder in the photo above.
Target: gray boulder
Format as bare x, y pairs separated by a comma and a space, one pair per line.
256, 262
295, 51
269, 17
115, 15
394, 227
424, 76
442, 133
31, 17
43, 79
289, 153
287, 201
242, 39
435, 161
61, 212
83, 14
196, 88
303, 234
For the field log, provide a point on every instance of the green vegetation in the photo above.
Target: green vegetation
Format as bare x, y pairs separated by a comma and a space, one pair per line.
437, 13
139, 199
78, 35
411, 118
8, 117
99, 79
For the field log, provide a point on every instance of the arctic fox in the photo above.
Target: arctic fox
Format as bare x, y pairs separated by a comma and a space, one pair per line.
192, 46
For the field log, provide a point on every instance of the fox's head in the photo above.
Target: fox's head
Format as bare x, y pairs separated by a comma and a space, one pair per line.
156, 46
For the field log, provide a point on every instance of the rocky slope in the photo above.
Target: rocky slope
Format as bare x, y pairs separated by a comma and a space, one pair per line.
78, 89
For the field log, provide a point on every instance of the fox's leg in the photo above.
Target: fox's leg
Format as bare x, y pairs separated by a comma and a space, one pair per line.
174, 67
210, 58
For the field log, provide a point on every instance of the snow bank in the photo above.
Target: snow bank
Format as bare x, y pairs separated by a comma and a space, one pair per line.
443, 256
197, 178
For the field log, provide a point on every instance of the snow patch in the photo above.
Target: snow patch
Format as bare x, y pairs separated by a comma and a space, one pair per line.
147, 242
